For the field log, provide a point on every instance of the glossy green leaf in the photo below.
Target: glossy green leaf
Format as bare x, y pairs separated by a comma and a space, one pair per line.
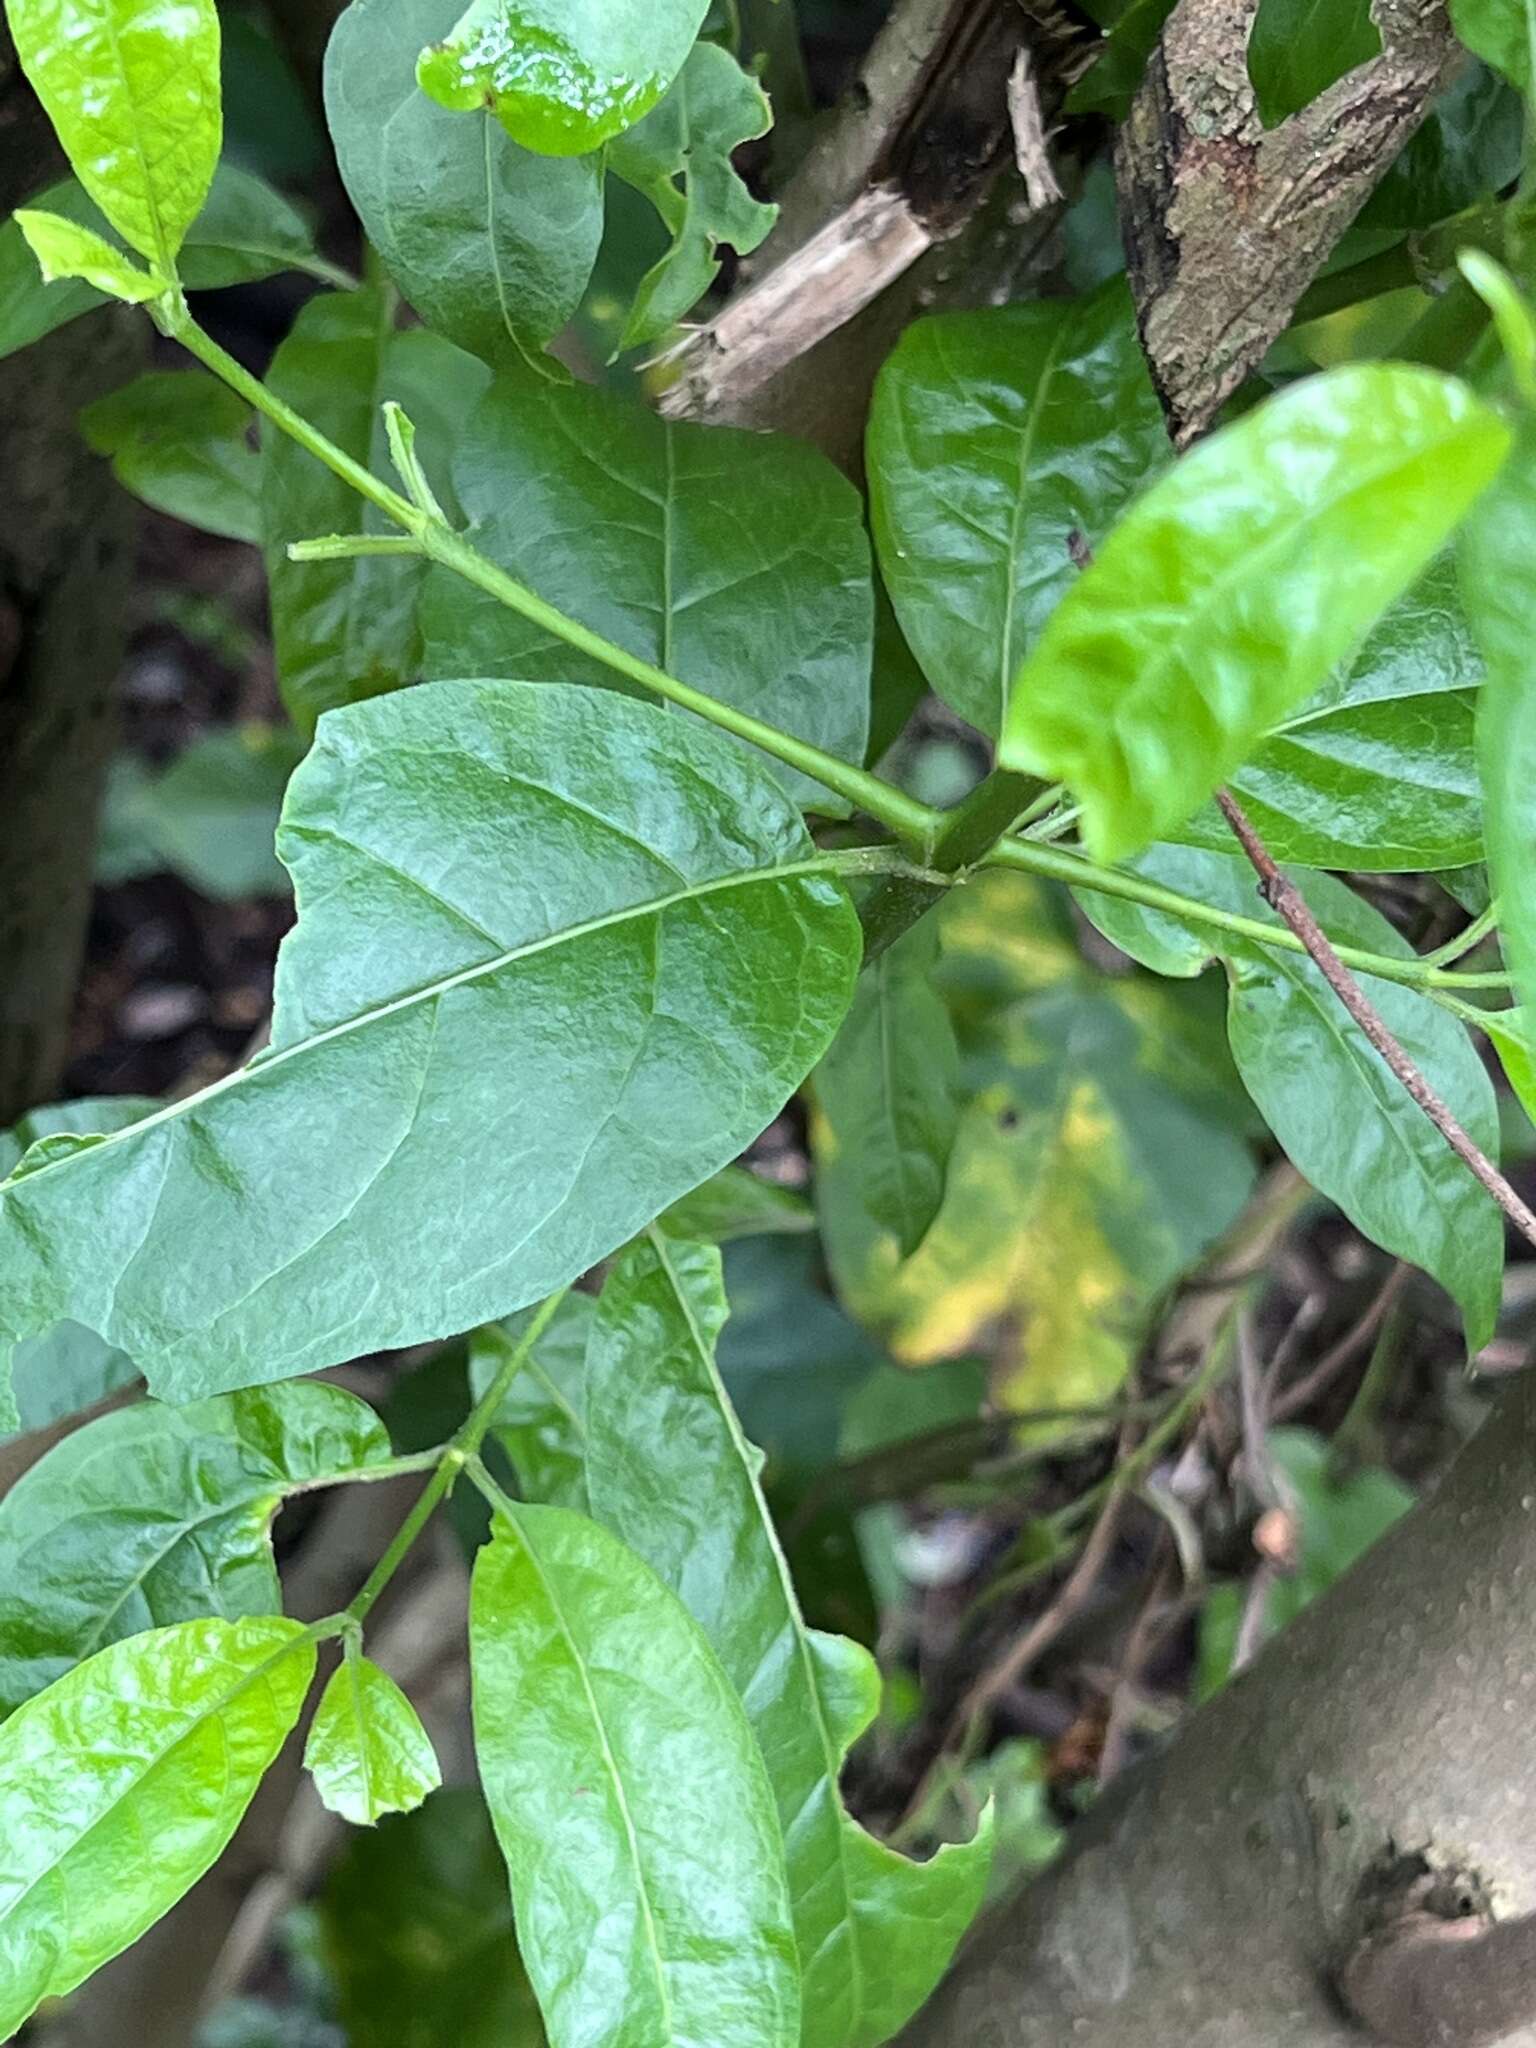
345, 630
562, 76
491, 244
736, 561
629, 1798
1498, 31
541, 1423
418, 1934
559, 958
1335, 1109
66, 254
1298, 48
999, 443
152, 1515
245, 231
671, 1473
69, 1368
1377, 771
1236, 583
712, 108
739, 1203
367, 1750
120, 1785
132, 87
178, 440
210, 817
1496, 563
889, 1089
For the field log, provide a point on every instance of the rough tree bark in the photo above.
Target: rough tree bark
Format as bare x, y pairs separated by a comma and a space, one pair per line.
65, 559
1214, 1896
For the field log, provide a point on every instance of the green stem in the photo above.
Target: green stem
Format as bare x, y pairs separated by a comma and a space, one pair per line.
1057, 864
462, 1450
1464, 941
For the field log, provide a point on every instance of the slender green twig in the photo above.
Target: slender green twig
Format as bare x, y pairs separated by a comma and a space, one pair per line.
462, 1450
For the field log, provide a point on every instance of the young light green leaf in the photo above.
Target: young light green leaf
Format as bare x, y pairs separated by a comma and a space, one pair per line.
889, 1089
132, 87
542, 1421
1498, 31
419, 1935
367, 1750
178, 440
152, 1515
245, 231
630, 1800
68, 254
671, 1473
210, 817
1236, 583
160, 1741
737, 560
1378, 769
345, 630
1298, 48
1337, 1112
1512, 316
1002, 446
1496, 568
562, 76
712, 108
610, 952
491, 244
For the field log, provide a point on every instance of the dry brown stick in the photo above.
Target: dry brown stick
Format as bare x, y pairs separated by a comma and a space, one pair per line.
1292, 1400
1286, 899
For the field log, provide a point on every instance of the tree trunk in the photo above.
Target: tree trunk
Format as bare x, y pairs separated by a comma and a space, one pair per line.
65, 559
1214, 1896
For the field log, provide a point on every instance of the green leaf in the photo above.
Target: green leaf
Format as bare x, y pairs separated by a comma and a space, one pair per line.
629, 1798
889, 1090
1378, 769
1496, 566
562, 76
734, 560
244, 232
178, 440
1236, 583
711, 109
612, 953
70, 1368
672, 1475
1109, 86
542, 1421
345, 630
999, 443
418, 1934
1500, 32
738, 1203
210, 817
367, 1750
1512, 1034
1298, 48
1468, 147
491, 244
66, 254
152, 1515
132, 87
120, 1785
1335, 1109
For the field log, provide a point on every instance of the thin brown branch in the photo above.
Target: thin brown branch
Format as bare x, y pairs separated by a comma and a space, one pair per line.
1292, 1400
1286, 899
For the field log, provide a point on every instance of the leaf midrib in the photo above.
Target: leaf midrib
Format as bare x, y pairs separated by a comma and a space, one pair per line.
269, 1062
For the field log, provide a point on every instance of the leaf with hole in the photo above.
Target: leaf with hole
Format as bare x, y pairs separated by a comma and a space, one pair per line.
559, 957
629, 1797
670, 1472
153, 1515
156, 1743
1231, 588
